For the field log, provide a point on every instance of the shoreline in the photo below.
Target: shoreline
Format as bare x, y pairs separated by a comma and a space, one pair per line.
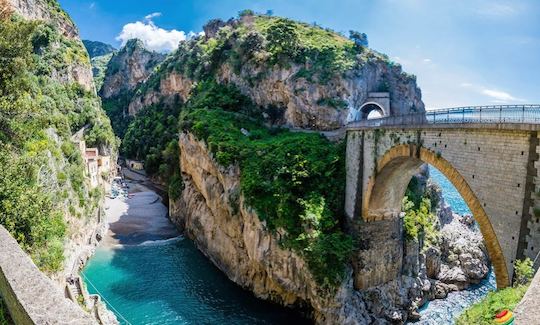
138, 219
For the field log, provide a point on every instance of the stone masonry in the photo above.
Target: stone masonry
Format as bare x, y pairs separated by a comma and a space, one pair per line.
30, 296
494, 167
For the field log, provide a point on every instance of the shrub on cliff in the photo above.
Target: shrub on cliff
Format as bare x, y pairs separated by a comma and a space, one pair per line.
295, 181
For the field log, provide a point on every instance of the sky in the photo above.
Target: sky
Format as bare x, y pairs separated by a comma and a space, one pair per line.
463, 52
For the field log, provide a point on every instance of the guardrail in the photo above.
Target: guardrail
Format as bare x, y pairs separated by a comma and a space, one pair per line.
521, 114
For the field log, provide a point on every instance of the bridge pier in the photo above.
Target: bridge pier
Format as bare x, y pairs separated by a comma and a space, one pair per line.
380, 252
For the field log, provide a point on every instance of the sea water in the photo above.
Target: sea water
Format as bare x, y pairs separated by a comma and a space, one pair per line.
171, 282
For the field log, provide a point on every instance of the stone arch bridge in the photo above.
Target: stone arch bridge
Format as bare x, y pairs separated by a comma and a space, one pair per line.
490, 154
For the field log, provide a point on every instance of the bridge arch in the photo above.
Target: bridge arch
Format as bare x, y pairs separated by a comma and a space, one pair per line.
386, 189
369, 107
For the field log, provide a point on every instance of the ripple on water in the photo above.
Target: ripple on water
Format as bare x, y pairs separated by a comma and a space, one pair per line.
173, 283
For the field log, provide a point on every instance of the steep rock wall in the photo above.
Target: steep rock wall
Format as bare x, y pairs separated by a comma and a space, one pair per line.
128, 67
172, 86
301, 104
212, 212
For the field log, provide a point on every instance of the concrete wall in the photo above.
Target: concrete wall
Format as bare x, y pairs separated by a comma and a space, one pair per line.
493, 168
29, 295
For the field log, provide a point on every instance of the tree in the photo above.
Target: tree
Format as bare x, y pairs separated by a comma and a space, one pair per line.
283, 39
360, 39
16, 91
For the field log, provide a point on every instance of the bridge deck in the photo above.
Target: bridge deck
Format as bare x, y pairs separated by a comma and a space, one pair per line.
510, 117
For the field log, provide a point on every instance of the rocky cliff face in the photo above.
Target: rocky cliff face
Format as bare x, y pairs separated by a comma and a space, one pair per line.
96, 48
212, 212
49, 11
130, 66
295, 94
78, 70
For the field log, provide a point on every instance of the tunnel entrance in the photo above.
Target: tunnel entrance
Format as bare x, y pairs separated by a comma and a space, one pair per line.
370, 111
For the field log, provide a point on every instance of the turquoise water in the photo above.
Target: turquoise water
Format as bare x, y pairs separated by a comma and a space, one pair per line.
449, 192
173, 283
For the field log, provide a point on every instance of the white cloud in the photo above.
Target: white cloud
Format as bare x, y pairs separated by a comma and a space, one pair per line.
499, 96
465, 84
499, 8
427, 60
153, 37
152, 15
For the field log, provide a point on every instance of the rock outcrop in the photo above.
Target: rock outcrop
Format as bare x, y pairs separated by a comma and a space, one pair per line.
129, 67
96, 48
50, 12
287, 93
458, 259
212, 212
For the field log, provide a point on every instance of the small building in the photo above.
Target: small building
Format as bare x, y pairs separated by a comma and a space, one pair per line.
104, 164
134, 164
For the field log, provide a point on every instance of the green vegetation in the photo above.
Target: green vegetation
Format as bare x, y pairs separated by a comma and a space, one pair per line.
98, 49
524, 271
262, 41
153, 138
4, 315
324, 53
293, 180
38, 114
483, 312
115, 108
99, 67
420, 221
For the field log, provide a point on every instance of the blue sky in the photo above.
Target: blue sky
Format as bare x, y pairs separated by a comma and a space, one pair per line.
464, 52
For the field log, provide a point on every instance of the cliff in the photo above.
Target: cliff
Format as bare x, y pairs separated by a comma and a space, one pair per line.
52, 208
73, 67
127, 68
301, 76
49, 12
96, 48
239, 243
212, 210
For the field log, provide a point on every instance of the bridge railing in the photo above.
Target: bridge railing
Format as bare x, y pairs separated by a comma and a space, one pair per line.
522, 114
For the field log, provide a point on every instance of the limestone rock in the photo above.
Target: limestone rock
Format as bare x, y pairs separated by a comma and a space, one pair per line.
285, 98
130, 66
433, 262
231, 235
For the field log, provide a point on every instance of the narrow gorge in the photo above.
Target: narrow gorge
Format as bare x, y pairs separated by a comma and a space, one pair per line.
210, 183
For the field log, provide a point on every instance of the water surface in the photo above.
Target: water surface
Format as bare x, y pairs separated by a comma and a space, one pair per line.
171, 282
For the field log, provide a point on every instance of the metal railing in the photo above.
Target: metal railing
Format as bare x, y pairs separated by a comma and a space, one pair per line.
521, 114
